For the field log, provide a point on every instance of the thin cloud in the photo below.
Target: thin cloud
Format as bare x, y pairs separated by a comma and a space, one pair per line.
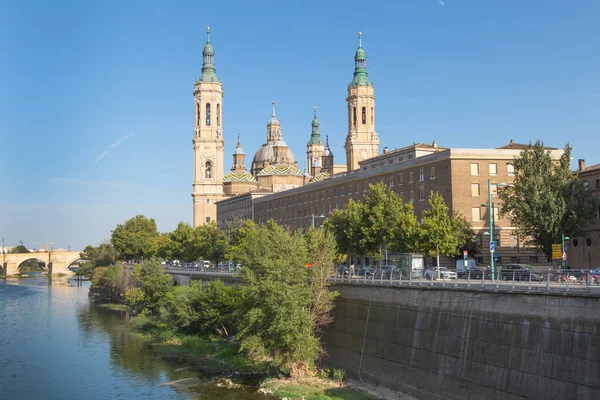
116, 144
100, 157
120, 140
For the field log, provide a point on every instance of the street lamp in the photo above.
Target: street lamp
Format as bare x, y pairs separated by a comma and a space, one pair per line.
312, 219
491, 233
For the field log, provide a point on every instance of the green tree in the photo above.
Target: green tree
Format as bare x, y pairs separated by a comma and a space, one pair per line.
153, 285
546, 199
213, 243
381, 221
184, 243
275, 319
467, 240
136, 238
437, 232
111, 283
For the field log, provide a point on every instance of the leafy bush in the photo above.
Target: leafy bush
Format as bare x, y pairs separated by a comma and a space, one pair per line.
111, 283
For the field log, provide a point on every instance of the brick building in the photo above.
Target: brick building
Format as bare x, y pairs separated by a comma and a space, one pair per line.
459, 175
584, 251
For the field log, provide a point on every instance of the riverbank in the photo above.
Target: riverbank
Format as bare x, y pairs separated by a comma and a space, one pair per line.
220, 357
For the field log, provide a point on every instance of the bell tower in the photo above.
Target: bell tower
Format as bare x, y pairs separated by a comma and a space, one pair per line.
314, 148
362, 141
208, 140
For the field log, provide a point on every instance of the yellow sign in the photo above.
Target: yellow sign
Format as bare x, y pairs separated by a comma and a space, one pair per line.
557, 251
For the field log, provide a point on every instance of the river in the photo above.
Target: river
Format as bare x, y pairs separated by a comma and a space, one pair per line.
55, 344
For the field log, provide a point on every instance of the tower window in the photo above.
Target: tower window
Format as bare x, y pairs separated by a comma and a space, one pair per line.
354, 116
197, 114
218, 115
207, 114
372, 113
364, 115
208, 170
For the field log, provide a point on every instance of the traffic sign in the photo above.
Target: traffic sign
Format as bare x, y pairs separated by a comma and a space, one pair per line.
564, 255
496, 257
557, 251
492, 246
465, 254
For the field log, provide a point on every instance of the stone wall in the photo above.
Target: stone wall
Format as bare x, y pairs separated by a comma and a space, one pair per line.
466, 344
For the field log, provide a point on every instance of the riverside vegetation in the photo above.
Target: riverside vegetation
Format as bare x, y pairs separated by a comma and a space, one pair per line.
269, 326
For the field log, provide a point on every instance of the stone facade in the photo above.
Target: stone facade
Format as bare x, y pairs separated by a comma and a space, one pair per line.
584, 252
233, 211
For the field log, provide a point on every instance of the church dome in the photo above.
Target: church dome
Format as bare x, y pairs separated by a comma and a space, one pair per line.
266, 154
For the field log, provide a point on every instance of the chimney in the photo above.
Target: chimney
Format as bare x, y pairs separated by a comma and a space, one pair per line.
385, 150
511, 141
581, 164
434, 145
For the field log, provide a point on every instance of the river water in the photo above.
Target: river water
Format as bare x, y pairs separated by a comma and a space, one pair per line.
55, 344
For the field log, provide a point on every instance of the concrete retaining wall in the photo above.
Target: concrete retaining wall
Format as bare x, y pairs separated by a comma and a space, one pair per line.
449, 344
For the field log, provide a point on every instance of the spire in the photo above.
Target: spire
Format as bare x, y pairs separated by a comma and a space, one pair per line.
327, 151
315, 136
208, 59
361, 77
273, 120
238, 148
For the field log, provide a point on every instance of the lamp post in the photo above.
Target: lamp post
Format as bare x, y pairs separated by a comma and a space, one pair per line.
312, 219
491, 233
563, 237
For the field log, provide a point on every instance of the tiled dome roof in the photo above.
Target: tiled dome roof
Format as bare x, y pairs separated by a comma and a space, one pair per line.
239, 177
280, 169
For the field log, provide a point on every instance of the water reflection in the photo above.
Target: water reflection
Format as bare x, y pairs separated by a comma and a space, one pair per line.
54, 344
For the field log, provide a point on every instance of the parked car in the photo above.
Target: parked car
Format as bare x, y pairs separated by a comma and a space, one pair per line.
445, 273
520, 272
395, 272
471, 273
595, 272
368, 271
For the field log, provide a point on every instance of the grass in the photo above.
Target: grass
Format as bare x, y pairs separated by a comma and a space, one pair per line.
212, 354
313, 389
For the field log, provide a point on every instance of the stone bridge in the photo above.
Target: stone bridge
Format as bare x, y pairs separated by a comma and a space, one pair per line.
58, 262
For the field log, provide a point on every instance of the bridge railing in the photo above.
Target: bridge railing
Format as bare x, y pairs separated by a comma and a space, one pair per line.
192, 270
550, 280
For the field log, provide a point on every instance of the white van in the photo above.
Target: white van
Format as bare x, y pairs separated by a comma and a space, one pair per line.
206, 264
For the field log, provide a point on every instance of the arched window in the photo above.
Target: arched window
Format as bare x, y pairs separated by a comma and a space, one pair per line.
207, 114
197, 114
372, 113
364, 115
218, 115
354, 116
208, 170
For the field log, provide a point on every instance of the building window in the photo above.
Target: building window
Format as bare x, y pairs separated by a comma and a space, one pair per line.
335, 192
474, 189
494, 189
432, 173
364, 115
421, 175
401, 195
474, 169
208, 170
390, 160
357, 188
493, 169
207, 220
411, 156
372, 115
421, 194
496, 213
207, 114
510, 169
476, 214
197, 114
411, 196
400, 179
391, 181
588, 242
343, 190
218, 115
366, 186
597, 183
410, 177
354, 116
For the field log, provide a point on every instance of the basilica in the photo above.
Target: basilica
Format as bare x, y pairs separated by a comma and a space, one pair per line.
274, 167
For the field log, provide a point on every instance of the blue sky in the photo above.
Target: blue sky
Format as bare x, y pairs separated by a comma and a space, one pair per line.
96, 106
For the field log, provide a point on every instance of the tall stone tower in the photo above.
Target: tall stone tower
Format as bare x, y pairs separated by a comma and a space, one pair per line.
362, 141
314, 147
208, 140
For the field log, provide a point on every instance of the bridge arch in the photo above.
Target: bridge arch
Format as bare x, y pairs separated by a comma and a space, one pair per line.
27, 266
